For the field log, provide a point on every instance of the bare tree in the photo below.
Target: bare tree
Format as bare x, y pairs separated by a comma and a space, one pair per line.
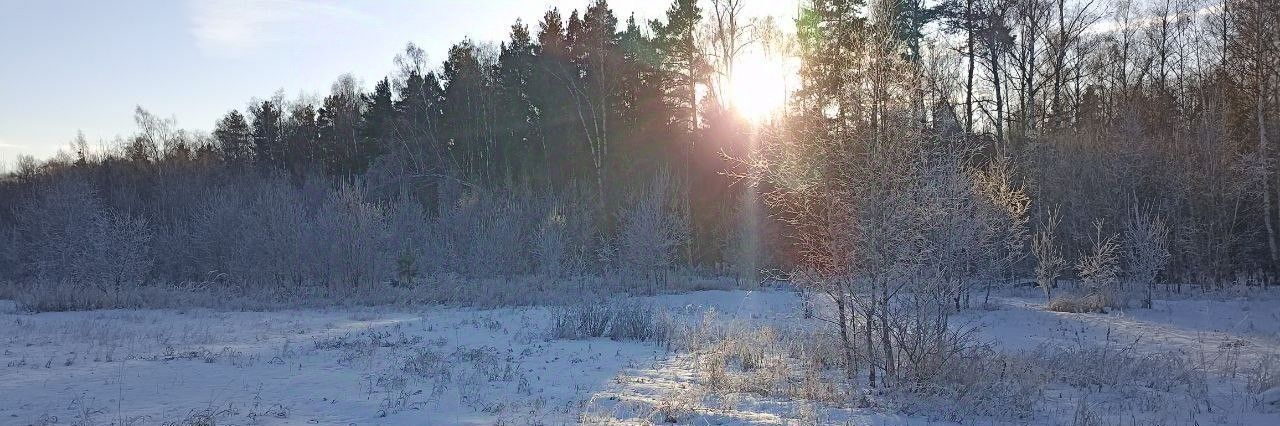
1049, 260
1099, 268
652, 231
1146, 250
729, 36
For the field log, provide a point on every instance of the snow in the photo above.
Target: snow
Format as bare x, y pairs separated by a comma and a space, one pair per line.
331, 367
441, 365
1248, 328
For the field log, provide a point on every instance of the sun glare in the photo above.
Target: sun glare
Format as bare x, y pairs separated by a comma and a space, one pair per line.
758, 89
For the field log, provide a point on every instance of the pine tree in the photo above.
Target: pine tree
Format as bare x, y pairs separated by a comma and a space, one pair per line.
338, 125
552, 94
466, 120
377, 121
234, 139
682, 58
267, 145
516, 115
300, 135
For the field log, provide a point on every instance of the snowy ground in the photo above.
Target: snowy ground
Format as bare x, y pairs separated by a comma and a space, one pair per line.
439, 365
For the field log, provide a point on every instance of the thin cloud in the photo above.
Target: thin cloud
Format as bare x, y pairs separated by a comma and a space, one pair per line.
231, 27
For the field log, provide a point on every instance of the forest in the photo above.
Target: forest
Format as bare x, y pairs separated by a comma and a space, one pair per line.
924, 158
589, 145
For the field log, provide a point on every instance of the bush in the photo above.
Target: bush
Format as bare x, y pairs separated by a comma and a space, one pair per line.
621, 321
652, 231
79, 252
635, 322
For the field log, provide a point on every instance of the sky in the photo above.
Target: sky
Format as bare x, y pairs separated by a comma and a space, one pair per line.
85, 65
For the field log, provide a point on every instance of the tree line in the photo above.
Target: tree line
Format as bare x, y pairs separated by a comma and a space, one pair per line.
1045, 140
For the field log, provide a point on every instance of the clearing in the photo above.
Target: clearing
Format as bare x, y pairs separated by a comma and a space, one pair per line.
440, 365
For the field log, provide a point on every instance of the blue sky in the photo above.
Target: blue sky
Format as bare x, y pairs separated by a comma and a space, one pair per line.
85, 65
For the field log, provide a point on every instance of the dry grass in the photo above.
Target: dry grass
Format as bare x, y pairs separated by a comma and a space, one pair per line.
451, 289
626, 320
1078, 304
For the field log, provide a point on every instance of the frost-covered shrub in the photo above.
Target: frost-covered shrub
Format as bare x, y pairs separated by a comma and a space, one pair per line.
551, 244
77, 250
1099, 268
653, 229
409, 230
349, 242
253, 237
121, 253
278, 236
635, 321
485, 236
580, 321
1110, 366
1146, 251
8, 257
1048, 255
979, 382
621, 321
1263, 375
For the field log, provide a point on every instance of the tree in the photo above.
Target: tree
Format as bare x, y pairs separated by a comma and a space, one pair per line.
729, 37
553, 95
301, 132
682, 57
1049, 260
419, 143
593, 46
345, 153
268, 148
518, 157
1254, 48
1063, 41
1146, 250
1031, 20
997, 40
466, 120
377, 120
234, 138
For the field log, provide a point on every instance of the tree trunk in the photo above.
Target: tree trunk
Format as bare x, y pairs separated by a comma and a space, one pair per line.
889, 367
968, 85
1059, 65
866, 332
1264, 152
994, 53
851, 368
691, 236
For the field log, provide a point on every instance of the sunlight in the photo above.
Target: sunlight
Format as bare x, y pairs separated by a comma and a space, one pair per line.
758, 89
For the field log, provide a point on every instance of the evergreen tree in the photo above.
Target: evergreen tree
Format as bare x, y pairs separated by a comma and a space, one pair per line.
234, 139
418, 112
377, 120
516, 114
682, 58
346, 154
268, 148
465, 121
552, 95
300, 133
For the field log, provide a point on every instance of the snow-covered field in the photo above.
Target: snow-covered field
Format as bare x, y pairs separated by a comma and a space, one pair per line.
438, 365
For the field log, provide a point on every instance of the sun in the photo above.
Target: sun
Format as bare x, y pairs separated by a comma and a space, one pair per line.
758, 88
